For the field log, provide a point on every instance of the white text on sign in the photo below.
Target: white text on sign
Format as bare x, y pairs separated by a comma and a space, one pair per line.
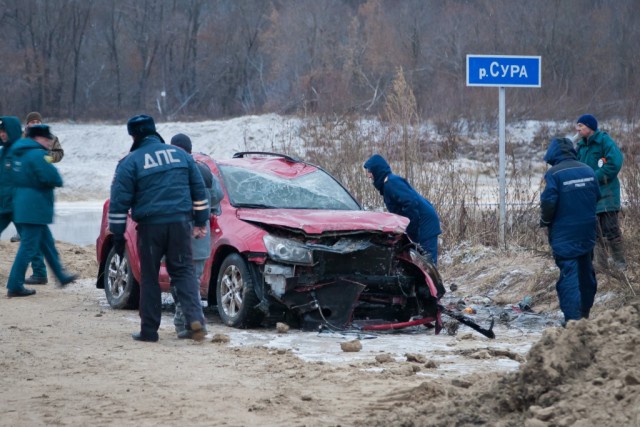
497, 70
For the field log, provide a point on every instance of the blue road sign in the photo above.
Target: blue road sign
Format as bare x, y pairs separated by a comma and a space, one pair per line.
506, 71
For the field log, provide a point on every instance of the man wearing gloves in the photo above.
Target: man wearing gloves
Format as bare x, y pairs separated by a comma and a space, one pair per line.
596, 148
568, 209
163, 188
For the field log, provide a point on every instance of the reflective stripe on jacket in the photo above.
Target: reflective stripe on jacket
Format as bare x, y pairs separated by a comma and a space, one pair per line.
160, 184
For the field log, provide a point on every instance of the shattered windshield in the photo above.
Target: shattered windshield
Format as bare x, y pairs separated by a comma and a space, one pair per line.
315, 190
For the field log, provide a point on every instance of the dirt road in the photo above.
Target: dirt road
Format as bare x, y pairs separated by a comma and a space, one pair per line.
68, 359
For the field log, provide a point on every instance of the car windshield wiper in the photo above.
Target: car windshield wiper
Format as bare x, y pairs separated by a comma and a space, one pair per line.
253, 205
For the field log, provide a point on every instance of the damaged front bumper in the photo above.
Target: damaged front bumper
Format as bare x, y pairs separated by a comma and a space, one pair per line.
379, 280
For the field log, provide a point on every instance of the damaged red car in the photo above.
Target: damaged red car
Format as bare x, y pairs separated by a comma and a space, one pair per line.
292, 243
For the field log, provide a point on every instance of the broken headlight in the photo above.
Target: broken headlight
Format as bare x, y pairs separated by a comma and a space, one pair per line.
287, 250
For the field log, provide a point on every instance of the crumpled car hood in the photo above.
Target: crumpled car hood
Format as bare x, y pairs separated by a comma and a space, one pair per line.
318, 222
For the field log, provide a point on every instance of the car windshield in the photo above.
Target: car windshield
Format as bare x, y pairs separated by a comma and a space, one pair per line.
315, 190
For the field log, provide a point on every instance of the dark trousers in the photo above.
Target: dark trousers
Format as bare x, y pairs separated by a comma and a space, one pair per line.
430, 246
5, 220
576, 286
37, 263
34, 239
173, 241
609, 226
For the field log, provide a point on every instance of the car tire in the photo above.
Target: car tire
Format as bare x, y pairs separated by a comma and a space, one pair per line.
121, 288
235, 294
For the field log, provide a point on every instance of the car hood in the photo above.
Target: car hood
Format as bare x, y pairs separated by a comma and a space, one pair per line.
318, 222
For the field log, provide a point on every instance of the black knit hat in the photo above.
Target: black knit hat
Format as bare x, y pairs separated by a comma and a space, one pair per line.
39, 130
183, 141
589, 121
141, 126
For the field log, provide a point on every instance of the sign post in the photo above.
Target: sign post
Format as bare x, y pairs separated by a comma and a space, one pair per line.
503, 71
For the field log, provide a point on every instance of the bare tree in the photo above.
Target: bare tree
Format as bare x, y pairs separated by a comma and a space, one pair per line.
226, 57
79, 18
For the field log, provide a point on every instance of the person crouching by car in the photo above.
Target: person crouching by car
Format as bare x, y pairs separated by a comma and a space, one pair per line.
400, 198
165, 192
34, 178
568, 209
201, 246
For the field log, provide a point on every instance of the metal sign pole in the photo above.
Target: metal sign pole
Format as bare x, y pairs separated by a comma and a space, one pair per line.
503, 71
501, 136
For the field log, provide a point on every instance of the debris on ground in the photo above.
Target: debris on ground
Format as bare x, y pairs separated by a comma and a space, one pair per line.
413, 357
351, 346
282, 328
384, 358
220, 338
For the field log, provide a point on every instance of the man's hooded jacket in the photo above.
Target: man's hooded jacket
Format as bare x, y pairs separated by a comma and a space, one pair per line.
34, 179
568, 202
14, 131
400, 198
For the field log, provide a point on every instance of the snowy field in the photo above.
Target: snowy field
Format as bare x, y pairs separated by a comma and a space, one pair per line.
92, 152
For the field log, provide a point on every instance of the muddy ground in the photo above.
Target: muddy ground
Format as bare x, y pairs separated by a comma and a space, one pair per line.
66, 358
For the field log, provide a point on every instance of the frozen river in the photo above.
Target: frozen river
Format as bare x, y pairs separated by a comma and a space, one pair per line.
74, 222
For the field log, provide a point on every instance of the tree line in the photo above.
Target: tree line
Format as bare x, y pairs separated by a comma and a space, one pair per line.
197, 59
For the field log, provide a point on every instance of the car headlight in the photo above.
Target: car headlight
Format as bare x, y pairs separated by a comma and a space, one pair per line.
287, 250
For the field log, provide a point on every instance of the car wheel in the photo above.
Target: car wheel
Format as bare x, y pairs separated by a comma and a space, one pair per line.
235, 294
121, 288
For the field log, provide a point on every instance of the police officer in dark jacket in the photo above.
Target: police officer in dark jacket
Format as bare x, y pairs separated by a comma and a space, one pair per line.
568, 209
400, 198
163, 188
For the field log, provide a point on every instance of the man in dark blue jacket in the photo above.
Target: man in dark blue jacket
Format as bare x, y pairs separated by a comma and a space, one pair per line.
400, 198
568, 209
34, 179
163, 188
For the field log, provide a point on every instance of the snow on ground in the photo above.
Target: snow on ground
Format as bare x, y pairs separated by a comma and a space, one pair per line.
92, 151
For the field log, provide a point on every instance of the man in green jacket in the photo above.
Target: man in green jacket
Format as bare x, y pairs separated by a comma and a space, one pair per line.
10, 132
39, 276
596, 148
34, 178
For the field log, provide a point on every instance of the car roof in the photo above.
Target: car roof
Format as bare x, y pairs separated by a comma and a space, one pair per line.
270, 163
